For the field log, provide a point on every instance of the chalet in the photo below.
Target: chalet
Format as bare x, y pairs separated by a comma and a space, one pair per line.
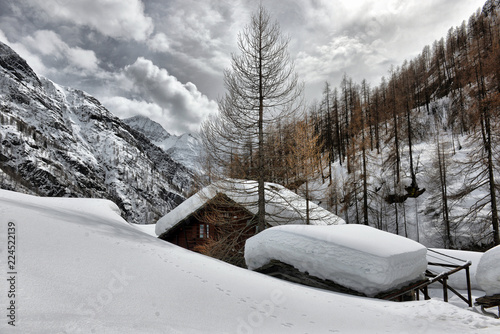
218, 219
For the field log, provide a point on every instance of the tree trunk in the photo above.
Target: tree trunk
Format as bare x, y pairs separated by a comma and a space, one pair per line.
491, 179
261, 214
444, 193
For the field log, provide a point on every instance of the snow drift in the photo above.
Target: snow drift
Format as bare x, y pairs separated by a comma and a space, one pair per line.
355, 256
83, 269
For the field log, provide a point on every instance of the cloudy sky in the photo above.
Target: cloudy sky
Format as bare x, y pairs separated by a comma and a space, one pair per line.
164, 58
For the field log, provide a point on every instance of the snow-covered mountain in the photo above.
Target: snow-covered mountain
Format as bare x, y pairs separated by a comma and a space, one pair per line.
184, 149
59, 141
151, 129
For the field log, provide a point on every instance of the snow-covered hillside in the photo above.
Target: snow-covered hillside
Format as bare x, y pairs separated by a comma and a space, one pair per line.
420, 218
80, 268
59, 141
184, 149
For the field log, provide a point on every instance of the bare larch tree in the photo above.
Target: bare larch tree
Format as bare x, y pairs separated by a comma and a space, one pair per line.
262, 89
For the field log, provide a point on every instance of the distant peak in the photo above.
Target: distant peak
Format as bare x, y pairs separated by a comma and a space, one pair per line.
151, 129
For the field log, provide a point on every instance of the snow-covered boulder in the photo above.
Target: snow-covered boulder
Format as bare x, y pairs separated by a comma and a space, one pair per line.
359, 257
488, 272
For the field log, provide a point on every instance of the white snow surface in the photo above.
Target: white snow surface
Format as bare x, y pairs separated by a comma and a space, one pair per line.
146, 228
356, 256
283, 206
488, 271
82, 269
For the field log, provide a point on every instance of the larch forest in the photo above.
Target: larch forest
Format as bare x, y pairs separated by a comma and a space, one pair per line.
421, 147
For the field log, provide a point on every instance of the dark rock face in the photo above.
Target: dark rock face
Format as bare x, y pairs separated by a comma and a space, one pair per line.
58, 141
16, 66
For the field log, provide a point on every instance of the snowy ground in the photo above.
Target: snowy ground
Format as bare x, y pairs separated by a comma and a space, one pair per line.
80, 268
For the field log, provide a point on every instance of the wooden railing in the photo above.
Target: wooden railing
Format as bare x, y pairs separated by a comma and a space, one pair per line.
443, 279
418, 287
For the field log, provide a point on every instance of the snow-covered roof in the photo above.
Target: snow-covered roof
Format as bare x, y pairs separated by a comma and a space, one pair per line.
283, 206
355, 256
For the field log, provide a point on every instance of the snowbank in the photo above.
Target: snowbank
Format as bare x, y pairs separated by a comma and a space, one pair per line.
146, 228
356, 256
488, 271
458, 257
283, 206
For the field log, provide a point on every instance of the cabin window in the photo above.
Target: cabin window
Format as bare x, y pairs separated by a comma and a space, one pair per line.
204, 231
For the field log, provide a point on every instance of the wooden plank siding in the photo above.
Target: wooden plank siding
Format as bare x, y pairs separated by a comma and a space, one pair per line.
188, 235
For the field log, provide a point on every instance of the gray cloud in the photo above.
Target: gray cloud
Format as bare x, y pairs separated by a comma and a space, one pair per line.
48, 44
114, 18
363, 38
179, 107
120, 51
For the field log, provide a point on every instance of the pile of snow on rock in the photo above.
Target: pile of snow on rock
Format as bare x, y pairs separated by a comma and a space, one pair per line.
488, 272
355, 256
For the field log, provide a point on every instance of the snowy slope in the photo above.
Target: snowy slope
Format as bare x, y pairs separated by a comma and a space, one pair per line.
82, 269
420, 218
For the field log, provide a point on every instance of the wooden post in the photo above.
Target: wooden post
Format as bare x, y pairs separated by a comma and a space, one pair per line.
469, 293
445, 288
